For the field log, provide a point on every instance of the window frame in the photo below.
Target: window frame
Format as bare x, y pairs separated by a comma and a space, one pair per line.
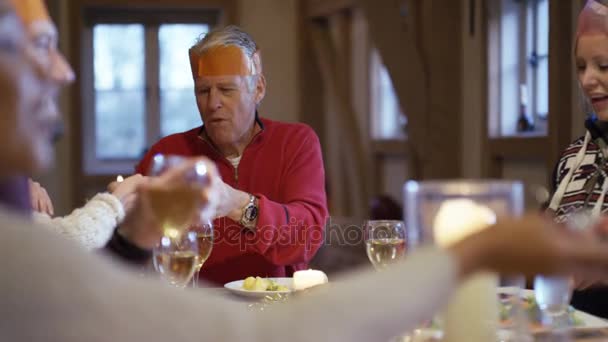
527, 74
151, 19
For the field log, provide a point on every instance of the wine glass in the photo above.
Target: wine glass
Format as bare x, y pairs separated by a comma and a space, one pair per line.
384, 242
176, 207
203, 229
176, 258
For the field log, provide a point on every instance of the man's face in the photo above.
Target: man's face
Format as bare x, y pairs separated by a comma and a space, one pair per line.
41, 47
25, 134
43, 44
227, 105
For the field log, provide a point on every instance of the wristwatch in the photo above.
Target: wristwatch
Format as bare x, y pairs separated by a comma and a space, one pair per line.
250, 212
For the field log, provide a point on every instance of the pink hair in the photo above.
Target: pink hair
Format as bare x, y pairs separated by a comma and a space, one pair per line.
593, 18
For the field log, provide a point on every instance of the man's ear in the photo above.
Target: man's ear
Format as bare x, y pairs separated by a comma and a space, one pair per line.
260, 89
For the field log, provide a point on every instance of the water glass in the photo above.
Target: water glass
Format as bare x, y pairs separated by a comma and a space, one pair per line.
553, 293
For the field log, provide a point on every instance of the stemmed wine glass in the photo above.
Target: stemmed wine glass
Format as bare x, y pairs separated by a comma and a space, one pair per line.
384, 242
177, 256
203, 229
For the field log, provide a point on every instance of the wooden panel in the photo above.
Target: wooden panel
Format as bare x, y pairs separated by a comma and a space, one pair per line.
229, 7
536, 147
428, 85
325, 8
561, 78
442, 26
348, 154
311, 105
75, 37
397, 148
409, 79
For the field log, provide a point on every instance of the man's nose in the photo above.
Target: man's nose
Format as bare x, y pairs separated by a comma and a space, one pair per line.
61, 71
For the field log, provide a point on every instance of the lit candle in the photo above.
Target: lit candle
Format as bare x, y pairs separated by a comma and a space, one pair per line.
308, 278
472, 314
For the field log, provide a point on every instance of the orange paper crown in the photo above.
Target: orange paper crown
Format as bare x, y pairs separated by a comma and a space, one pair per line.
226, 60
31, 10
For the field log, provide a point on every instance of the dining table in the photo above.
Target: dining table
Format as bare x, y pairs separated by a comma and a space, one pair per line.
580, 334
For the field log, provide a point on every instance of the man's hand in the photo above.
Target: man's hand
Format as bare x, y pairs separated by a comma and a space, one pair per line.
141, 226
532, 245
39, 197
231, 201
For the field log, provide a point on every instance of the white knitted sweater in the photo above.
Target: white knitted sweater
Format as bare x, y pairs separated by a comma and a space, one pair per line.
92, 225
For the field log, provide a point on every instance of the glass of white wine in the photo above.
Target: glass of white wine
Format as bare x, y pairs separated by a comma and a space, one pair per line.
176, 258
203, 229
176, 208
384, 242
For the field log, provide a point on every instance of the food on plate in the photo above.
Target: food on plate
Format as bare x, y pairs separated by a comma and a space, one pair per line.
262, 284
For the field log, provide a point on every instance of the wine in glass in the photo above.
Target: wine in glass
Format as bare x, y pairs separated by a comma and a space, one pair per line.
176, 258
176, 207
204, 237
384, 242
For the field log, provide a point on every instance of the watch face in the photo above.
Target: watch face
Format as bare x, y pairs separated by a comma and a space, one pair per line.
251, 213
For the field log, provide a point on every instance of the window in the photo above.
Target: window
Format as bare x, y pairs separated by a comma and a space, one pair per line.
387, 120
519, 67
139, 87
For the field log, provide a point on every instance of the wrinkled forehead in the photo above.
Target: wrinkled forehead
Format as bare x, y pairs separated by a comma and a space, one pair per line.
223, 60
31, 11
227, 81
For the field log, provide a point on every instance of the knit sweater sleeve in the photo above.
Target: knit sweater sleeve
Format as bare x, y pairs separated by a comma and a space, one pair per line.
92, 225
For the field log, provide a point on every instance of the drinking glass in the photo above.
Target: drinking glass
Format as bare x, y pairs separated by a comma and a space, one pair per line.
176, 258
553, 293
442, 213
203, 229
384, 242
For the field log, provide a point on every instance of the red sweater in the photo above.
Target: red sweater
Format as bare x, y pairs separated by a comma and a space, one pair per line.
283, 167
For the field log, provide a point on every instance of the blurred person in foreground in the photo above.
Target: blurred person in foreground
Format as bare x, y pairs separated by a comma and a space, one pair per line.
93, 224
52, 291
272, 207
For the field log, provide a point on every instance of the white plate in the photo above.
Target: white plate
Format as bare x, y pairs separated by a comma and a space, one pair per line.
236, 287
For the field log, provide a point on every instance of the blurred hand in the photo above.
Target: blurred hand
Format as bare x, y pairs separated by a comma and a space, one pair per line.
39, 197
582, 281
532, 245
141, 227
125, 191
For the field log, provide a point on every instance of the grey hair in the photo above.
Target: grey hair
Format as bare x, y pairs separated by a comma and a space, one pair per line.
224, 36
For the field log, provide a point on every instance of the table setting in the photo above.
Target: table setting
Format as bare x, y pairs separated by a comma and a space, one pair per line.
485, 307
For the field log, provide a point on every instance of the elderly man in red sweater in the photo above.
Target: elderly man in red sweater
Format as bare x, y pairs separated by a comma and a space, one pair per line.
273, 207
